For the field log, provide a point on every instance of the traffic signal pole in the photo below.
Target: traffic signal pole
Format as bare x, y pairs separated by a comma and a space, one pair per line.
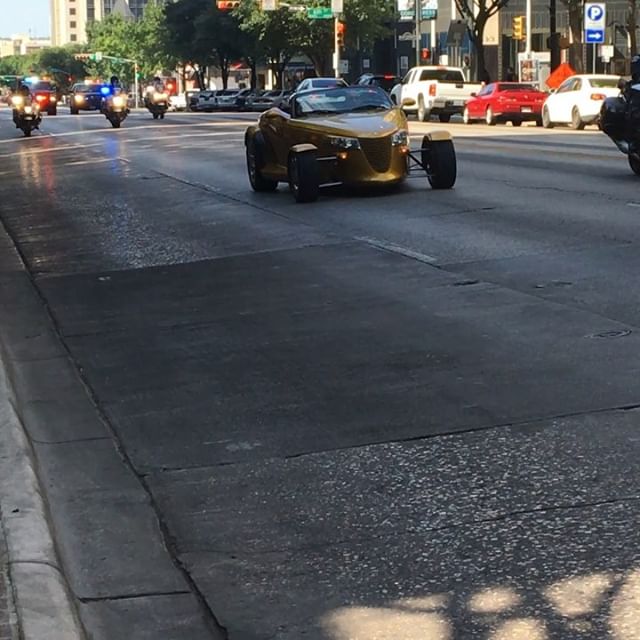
336, 46
418, 4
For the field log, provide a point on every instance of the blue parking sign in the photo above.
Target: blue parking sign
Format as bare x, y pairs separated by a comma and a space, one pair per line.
595, 22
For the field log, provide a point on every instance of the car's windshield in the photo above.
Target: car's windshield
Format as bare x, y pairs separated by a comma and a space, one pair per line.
516, 87
604, 83
324, 83
83, 88
341, 100
42, 86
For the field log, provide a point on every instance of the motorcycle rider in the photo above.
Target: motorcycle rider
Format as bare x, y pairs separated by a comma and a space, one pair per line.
24, 92
156, 86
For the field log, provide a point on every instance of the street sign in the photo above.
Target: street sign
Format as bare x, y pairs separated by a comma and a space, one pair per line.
337, 6
407, 9
319, 13
344, 66
606, 52
595, 16
429, 9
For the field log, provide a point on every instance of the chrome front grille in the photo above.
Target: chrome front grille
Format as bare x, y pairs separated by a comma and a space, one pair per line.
377, 152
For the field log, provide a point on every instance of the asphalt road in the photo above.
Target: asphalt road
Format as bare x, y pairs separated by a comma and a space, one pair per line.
378, 416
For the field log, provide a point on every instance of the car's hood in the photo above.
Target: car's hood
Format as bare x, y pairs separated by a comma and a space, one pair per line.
369, 124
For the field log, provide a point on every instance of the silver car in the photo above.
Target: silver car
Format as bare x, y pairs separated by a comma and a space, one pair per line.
269, 100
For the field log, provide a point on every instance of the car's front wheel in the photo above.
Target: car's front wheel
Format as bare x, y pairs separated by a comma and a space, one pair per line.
439, 161
634, 163
489, 118
304, 177
466, 118
254, 165
547, 123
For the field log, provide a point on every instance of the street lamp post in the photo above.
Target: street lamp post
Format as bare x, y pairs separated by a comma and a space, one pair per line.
418, 4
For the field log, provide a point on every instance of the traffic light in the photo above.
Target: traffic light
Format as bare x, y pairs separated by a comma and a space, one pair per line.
227, 5
518, 28
340, 31
425, 54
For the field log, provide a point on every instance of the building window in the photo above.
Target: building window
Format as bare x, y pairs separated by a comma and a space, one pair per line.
72, 12
73, 37
72, 24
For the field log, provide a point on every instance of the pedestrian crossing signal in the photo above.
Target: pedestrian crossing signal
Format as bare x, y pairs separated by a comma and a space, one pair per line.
518, 28
340, 31
227, 5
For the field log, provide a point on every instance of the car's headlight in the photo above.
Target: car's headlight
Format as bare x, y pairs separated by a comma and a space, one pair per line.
400, 138
16, 101
52, 99
344, 143
78, 98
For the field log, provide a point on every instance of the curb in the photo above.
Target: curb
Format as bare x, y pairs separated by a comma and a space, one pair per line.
42, 599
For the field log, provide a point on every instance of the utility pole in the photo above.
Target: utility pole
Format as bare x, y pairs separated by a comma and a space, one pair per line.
554, 37
528, 29
418, 4
336, 46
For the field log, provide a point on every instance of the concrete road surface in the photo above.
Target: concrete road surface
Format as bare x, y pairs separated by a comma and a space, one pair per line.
396, 416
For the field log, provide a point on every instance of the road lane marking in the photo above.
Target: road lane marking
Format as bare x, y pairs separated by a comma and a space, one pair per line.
396, 248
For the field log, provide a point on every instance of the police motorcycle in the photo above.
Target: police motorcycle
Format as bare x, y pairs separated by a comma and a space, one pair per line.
26, 112
115, 103
156, 99
620, 117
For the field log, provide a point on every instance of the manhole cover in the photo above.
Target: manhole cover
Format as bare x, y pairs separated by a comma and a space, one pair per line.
611, 334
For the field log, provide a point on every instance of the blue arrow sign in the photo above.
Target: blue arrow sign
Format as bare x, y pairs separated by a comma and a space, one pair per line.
594, 36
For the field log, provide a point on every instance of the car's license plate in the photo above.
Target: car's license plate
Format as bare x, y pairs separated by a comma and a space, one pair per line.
525, 109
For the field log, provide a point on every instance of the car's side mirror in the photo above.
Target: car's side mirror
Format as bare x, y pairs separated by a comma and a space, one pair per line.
553, 91
474, 94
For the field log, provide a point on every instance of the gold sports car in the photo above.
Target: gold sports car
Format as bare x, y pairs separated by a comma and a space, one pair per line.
349, 135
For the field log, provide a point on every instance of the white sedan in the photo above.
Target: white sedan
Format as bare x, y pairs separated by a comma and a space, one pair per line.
578, 99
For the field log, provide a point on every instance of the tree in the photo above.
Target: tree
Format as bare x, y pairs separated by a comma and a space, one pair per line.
317, 44
61, 64
152, 34
575, 7
367, 21
201, 35
477, 14
280, 33
114, 36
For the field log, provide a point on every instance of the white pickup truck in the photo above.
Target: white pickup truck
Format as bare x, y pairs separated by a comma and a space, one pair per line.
435, 90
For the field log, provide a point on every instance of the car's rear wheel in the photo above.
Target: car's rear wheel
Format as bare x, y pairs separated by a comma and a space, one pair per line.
52, 111
489, 117
439, 161
546, 119
444, 117
304, 177
466, 118
255, 162
423, 113
576, 120
516, 123
634, 163
74, 112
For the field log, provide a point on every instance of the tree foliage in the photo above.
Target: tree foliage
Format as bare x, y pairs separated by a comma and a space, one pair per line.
477, 14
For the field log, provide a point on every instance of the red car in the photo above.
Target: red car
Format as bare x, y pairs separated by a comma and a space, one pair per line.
505, 101
45, 94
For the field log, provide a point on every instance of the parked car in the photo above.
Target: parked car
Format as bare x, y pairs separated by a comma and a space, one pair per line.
385, 81
434, 90
191, 98
269, 99
178, 102
320, 83
513, 102
206, 101
226, 99
577, 101
244, 97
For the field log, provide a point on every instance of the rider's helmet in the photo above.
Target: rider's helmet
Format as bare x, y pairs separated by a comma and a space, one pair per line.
635, 67
115, 82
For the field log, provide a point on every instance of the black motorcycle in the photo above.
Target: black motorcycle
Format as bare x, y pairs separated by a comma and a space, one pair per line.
618, 122
115, 107
26, 114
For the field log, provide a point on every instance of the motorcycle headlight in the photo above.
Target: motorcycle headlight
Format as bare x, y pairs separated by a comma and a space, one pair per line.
118, 101
28, 109
160, 96
340, 142
16, 101
400, 137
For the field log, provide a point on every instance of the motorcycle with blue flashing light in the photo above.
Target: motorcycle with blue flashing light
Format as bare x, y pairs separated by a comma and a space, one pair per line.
115, 103
26, 113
